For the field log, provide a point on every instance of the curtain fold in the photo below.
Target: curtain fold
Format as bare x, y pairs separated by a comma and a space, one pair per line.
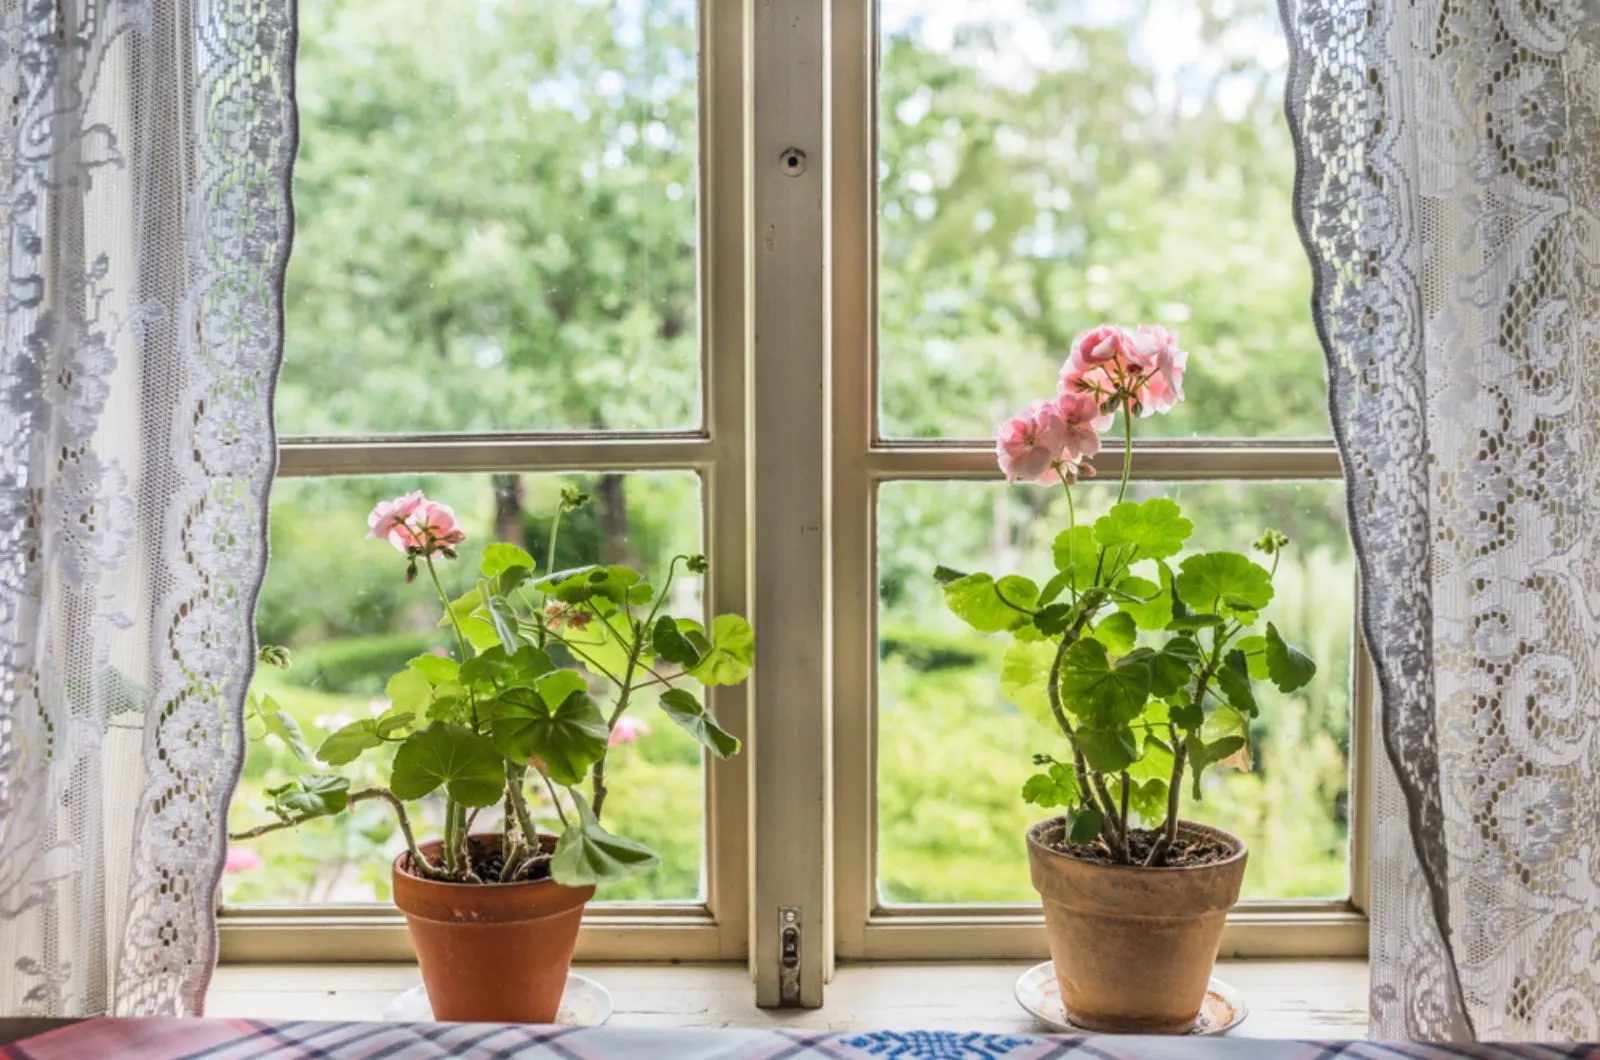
1447, 193
145, 159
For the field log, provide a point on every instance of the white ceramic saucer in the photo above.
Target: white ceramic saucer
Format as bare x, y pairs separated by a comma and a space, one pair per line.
585, 1003
1040, 994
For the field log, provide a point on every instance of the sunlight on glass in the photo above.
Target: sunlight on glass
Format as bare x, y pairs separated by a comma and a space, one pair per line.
495, 218
1048, 165
340, 604
953, 753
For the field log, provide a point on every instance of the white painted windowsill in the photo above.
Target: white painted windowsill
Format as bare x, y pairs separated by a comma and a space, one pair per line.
1287, 999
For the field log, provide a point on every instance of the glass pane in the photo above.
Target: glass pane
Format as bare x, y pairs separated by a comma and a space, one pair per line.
953, 752
1052, 165
340, 603
495, 218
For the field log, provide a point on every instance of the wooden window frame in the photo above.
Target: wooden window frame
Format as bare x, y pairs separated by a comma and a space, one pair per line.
715, 929
863, 459
790, 460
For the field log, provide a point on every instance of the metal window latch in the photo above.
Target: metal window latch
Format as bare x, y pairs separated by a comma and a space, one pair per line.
788, 957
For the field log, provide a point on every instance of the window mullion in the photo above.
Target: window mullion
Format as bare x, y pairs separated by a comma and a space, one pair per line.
789, 503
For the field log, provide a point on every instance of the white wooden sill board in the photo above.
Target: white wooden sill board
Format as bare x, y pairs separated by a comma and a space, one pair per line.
1288, 999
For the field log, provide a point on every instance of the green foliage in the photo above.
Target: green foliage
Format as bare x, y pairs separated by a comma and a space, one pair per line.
1223, 583
465, 763
989, 606
587, 854
683, 708
1152, 529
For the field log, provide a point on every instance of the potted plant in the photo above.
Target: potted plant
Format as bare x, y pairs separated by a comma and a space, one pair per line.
1143, 664
520, 715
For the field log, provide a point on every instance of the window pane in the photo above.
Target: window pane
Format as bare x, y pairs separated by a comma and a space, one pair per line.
953, 752
341, 604
495, 218
1050, 165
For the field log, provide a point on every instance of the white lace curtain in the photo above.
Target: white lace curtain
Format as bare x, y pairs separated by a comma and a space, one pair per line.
145, 149
1448, 191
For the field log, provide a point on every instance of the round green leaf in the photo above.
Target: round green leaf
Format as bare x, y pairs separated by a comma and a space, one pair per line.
684, 709
1154, 529
733, 649
1216, 581
466, 764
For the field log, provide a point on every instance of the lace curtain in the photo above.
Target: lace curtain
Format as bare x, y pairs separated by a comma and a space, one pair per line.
1448, 188
145, 150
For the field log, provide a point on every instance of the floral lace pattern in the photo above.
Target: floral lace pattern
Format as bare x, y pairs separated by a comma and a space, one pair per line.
145, 152
1447, 194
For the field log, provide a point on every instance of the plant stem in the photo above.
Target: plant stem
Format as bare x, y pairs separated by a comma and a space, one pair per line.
1125, 805
599, 785
455, 623
1127, 448
450, 864
1079, 766
1169, 831
555, 800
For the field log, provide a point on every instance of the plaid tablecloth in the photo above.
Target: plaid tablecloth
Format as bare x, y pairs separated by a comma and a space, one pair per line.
170, 1039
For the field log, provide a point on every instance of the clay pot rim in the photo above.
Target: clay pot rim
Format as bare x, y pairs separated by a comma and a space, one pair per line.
1239, 853
399, 865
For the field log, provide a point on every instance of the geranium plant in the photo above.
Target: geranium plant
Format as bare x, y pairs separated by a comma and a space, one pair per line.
1144, 664
525, 710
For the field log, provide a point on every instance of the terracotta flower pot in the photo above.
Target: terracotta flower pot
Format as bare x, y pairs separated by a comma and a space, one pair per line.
1133, 947
493, 953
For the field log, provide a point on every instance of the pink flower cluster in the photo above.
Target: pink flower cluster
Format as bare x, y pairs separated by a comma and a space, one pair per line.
416, 526
1109, 369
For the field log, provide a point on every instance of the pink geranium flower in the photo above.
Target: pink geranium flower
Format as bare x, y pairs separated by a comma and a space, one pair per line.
416, 526
1083, 423
1032, 445
1156, 352
627, 730
241, 859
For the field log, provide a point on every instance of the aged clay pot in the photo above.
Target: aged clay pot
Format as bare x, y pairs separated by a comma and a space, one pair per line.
491, 953
1133, 947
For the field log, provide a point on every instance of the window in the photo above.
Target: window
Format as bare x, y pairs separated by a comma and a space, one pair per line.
506, 280
766, 289
1031, 170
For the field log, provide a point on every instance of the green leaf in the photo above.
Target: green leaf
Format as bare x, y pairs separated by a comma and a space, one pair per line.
568, 734
504, 620
461, 607
1076, 556
1058, 787
581, 584
1117, 632
587, 855
410, 690
1108, 750
732, 651
437, 669
480, 632
1156, 611
1225, 722
281, 724
1025, 680
1287, 666
946, 575
496, 669
1173, 666
671, 645
1053, 620
313, 794
976, 600
1255, 654
393, 723
1213, 583
465, 763
1203, 755
499, 557
1155, 529
1084, 826
683, 708
1233, 679
1103, 695
350, 742
1148, 799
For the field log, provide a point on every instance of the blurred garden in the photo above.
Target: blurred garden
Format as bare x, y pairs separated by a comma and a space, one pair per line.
496, 226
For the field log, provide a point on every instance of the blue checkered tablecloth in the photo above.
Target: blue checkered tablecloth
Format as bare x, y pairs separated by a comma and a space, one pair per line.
173, 1039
